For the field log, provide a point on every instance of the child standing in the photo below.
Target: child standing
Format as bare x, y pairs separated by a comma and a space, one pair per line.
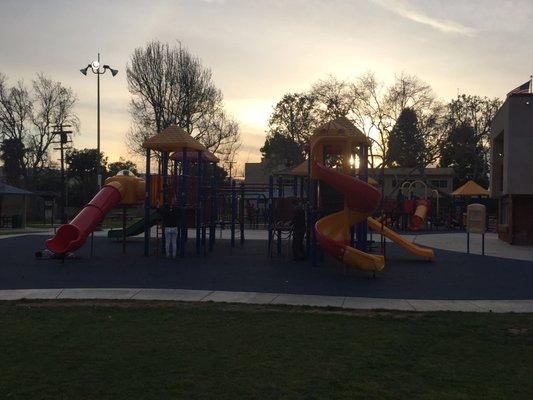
169, 219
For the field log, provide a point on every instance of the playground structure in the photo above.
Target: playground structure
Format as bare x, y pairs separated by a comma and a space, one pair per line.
122, 189
338, 142
189, 179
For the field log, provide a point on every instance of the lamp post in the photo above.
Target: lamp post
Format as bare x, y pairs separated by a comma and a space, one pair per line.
95, 68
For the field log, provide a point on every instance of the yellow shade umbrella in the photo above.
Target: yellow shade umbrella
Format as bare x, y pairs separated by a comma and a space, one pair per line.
470, 189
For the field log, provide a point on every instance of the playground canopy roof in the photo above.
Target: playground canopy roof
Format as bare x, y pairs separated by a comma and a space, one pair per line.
192, 156
470, 189
340, 128
171, 139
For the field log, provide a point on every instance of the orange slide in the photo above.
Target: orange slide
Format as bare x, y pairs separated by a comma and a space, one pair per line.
361, 200
401, 241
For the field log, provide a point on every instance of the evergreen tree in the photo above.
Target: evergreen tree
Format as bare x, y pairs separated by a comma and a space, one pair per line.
122, 164
463, 151
81, 169
12, 155
281, 151
406, 146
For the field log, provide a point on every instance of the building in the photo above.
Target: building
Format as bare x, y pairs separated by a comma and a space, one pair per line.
440, 179
13, 206
434, 178
512, 168
256, 173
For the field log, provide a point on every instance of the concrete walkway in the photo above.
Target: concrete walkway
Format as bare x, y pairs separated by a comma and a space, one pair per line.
353, 303
456, 241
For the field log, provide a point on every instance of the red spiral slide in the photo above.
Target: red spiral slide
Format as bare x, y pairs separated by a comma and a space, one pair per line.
72, 236
332, 231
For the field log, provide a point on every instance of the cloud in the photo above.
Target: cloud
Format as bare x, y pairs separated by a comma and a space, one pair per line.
406, 10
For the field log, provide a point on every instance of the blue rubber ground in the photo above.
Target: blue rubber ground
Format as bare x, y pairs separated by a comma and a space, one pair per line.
451, 276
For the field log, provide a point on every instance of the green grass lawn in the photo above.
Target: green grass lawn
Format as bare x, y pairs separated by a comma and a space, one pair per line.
208, 351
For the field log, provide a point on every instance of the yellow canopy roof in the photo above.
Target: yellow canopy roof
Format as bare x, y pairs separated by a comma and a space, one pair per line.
340, 128
172, 138
470, 189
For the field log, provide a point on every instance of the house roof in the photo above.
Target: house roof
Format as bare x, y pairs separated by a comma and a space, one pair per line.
470, 189
6, 189
172, 138
403, 171
300, 169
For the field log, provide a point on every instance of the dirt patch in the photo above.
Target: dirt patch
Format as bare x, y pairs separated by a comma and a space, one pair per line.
208, 306
518, 331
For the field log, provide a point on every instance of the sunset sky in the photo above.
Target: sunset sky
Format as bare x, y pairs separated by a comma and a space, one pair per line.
259, 50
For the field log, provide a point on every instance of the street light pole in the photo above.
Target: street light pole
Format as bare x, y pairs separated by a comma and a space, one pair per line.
95, 68
98, 158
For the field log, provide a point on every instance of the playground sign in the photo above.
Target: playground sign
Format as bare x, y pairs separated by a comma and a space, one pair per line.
476, 218
476, 223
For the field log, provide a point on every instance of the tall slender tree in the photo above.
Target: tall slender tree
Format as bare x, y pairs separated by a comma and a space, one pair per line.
406, 146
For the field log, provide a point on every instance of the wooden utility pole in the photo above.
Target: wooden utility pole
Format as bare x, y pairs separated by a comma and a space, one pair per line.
63, 142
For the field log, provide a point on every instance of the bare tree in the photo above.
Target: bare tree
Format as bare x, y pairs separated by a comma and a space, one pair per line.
171, 86
52, 105
474, 111
333, 99
376, 108
295, 116
220, 134
29, 116
473, 115
15, 109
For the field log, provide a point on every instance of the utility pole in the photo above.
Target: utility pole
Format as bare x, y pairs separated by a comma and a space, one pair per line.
231, 168
63, 141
